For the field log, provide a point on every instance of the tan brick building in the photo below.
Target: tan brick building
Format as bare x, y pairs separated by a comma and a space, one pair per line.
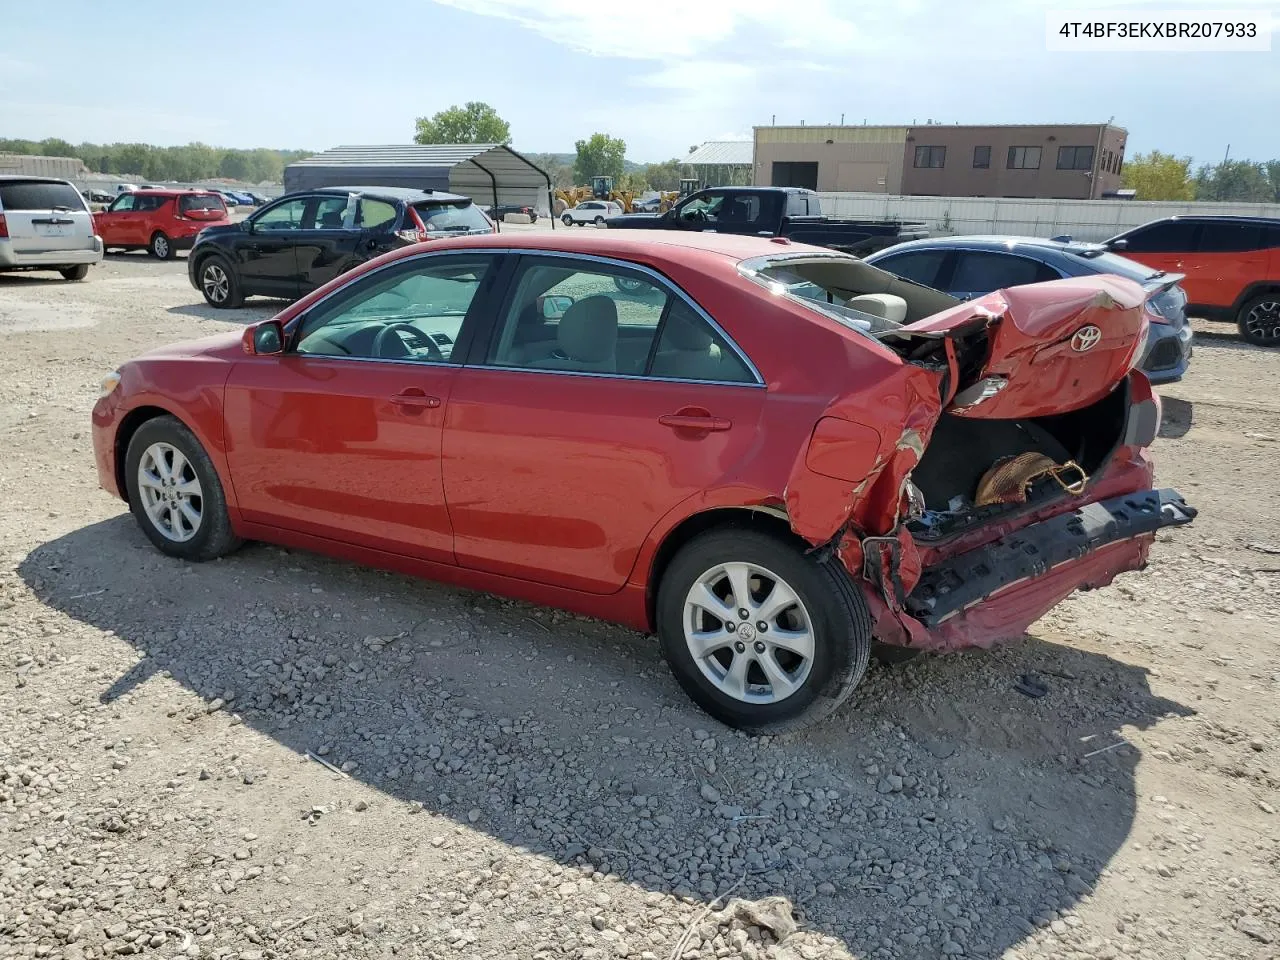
1065, 161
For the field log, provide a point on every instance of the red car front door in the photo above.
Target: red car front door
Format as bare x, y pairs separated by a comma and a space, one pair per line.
340, 436
561, 453
114, 224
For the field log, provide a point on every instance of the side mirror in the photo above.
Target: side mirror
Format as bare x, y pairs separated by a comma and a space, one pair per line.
553, 308
264, 339
1120, 244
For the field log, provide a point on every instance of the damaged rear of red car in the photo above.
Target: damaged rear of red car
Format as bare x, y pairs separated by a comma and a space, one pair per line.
1020, 471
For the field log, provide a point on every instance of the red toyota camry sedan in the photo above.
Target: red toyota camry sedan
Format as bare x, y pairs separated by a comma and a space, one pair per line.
772, 456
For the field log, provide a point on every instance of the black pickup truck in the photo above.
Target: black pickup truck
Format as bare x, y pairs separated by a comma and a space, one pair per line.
789, 212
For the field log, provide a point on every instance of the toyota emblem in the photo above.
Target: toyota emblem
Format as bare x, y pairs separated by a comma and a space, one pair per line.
1085, 339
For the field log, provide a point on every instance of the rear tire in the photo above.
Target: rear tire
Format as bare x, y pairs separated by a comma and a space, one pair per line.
599, 221
181, 484
1259, 320
219, 284
78, 272
779, 691
161, 246
567, 220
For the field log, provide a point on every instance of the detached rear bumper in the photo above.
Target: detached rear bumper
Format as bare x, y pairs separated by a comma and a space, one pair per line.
996, 591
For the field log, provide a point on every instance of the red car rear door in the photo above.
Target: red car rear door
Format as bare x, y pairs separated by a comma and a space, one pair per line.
584, 422
340, 436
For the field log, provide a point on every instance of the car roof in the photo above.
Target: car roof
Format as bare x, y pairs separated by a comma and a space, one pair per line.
996, 242
10, 177
171, 191
1212, 218
406, 194
645, 245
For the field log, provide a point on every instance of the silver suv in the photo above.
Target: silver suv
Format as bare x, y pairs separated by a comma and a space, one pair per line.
45, 225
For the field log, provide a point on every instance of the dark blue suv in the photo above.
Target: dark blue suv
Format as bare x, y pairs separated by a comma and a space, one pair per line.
968, 267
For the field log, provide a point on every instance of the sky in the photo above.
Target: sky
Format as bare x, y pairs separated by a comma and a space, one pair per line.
661, 74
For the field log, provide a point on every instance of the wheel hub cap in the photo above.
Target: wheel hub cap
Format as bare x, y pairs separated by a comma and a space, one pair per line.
748, 633
170, 491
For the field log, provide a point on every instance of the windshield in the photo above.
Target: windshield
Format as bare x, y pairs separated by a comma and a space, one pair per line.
452, 217
39, 195
202, 201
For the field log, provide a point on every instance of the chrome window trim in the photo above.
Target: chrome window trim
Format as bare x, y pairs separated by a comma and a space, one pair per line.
664, 281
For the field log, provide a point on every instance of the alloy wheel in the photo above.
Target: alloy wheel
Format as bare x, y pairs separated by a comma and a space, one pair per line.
170, 491
216, 283
1263, 321
160, 246
748, 633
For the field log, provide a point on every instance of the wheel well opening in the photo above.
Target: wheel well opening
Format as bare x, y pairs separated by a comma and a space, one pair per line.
128, 427
1257, 290
749, 518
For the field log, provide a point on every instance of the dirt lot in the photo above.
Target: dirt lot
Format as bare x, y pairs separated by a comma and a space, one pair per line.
527, 784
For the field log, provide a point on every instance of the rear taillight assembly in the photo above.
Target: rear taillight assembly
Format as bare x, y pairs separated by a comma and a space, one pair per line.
4, 227
414, 230
1154, 315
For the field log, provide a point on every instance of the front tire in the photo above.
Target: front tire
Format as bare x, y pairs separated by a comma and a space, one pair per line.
792, 660
78, 272
1259, 320
175, 493
219, 284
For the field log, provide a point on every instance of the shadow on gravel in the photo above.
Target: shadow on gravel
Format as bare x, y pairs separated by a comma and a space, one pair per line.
35, 278
253, 311
1176, 417
951, 807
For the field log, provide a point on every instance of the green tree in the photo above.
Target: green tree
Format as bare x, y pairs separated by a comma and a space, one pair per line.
1159, 176
1273, 177
1235, 181
473, 122
601, 156
56, 147
664, 176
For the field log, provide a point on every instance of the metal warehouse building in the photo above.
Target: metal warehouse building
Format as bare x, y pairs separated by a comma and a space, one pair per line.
489, 173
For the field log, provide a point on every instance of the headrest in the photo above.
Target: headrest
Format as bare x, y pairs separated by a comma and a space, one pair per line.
686, 331
588, 331
886, 306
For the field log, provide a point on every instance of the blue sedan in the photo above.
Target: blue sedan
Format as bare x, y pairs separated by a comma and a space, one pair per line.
968, 267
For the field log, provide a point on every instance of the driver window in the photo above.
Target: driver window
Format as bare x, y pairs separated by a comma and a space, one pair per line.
414, 313
703, 207
284, 216
123, 204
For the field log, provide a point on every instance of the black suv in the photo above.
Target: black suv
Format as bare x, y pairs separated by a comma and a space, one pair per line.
305, 239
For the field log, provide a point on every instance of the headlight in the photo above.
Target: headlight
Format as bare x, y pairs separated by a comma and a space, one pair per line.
109, 383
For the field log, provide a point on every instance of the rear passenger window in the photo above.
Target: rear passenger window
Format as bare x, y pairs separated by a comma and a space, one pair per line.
691, 349
1224, 237
375, 213
982, 272
1172, 236
605, 319
600, 320
921, 266
147, 204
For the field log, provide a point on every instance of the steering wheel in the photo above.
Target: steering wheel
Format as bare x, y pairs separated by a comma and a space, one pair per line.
416, 339
694, 215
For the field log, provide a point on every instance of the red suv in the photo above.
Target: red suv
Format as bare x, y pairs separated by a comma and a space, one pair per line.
1231, 267
162, 221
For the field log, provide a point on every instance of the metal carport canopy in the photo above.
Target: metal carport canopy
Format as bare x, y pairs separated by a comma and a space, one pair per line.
487, 172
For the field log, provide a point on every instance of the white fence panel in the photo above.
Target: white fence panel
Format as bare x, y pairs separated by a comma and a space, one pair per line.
1080, 219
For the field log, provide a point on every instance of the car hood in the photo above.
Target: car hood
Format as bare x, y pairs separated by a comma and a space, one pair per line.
219, 346
221, 229
629, 221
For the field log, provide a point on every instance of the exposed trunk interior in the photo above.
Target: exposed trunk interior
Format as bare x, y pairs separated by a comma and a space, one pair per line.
963, 449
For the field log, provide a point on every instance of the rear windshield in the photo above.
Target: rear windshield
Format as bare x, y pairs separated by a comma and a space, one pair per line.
201, 201
38, 195
1120, 266
451, 216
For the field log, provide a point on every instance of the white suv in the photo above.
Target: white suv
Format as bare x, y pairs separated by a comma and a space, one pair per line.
591, 211
45, 225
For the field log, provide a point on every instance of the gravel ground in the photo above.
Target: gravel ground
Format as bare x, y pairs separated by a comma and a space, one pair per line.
278, 755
